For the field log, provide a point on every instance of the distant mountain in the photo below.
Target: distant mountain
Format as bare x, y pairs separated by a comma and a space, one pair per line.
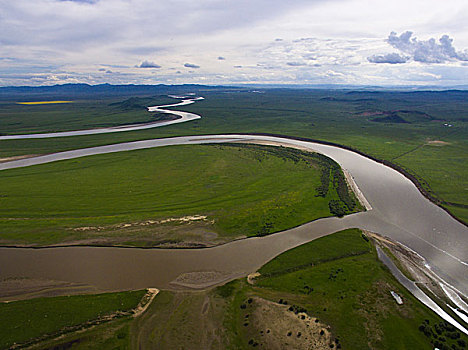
83, 91
77, 91
363, 88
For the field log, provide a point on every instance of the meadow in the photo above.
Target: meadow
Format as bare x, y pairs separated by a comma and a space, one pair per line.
25, 320
40, 116
403, 128
200, 195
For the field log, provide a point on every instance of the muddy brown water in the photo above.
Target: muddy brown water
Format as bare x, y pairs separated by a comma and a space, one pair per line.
399, 211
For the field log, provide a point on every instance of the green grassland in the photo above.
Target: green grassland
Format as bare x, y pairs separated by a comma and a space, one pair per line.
395, 126
79, 114
345, 286
337, 279
25, 320
243, 190
329, 248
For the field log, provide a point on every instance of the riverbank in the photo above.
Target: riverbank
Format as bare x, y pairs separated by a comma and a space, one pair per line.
9, 159
173, 117
414, 274
27, 322
314, 115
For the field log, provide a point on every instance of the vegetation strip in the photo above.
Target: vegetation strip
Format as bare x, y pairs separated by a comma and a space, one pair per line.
311, 264
43, 102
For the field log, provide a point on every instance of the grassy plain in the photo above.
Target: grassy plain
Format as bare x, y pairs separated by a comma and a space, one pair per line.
343, 277
335, 283
25, 320
52, 116
122, 198
363, 120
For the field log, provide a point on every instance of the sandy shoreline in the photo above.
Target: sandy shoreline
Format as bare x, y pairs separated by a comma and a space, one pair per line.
9, 159
357, 192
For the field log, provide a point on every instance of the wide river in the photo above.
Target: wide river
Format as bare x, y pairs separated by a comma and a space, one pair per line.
399, 211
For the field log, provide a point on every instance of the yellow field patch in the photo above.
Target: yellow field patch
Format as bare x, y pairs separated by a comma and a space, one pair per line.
42, 102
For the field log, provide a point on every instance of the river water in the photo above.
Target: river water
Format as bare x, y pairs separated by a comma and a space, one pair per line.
399, 211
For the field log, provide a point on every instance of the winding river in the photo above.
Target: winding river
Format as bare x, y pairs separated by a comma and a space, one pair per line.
183, 117
399, 211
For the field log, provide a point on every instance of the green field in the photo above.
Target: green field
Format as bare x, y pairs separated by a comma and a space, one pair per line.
395, 126
142, 197
329, 248
337, 279
80, 114
25, 320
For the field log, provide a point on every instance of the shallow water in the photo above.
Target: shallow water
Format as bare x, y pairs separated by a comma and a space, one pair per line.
418, 293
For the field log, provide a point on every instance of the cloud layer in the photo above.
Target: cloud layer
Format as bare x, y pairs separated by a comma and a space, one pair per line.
227, 41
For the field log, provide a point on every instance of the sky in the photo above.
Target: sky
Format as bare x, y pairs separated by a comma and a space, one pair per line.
359, 42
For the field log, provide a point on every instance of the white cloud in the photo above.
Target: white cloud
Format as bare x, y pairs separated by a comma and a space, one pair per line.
331, 73
392, 58
71, 40
426, 51
148, 64
430, 75
295, 64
